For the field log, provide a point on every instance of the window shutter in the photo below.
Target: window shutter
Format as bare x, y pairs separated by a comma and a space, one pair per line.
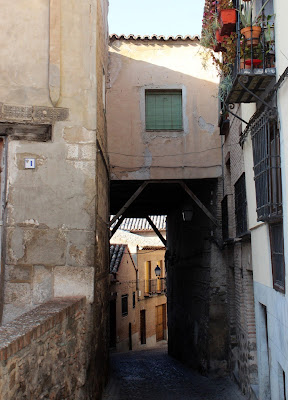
163, 110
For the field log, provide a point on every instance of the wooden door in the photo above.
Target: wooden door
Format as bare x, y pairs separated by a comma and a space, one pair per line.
143, 326
160, 322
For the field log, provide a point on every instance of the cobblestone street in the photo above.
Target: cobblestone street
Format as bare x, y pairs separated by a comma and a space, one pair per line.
152, 374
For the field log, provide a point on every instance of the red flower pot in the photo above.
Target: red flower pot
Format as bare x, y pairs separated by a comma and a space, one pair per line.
256, 62
220, 38
228, 20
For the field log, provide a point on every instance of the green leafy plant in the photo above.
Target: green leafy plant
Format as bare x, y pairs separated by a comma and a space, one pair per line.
246, 14
269, 34
225, 86
225, 4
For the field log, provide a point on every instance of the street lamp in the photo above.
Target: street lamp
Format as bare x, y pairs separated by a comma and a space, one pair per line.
158, 271
187, 214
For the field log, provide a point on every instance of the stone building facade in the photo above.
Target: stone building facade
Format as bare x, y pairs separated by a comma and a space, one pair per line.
54, 167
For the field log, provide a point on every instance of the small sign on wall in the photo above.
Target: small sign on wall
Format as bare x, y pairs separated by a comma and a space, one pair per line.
29, 163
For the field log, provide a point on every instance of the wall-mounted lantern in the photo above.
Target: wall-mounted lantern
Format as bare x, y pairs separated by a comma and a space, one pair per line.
158, 271
187, 214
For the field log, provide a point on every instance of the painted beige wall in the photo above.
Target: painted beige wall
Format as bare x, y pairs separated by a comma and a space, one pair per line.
54, 213
126, 276
150, 303
126, 284
136, 65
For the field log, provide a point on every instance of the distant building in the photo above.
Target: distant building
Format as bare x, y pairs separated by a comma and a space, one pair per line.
138, 314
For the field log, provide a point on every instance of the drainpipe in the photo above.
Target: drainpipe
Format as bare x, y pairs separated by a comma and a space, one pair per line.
4, 166
222, 154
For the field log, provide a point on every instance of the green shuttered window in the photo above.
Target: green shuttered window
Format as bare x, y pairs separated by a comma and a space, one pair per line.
163, 110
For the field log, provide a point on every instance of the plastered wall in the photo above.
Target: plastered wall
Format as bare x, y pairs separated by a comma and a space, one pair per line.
194, 152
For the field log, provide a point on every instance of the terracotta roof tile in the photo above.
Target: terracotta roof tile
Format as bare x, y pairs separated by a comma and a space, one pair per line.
154, 37
116, 254
141, 224
153, 248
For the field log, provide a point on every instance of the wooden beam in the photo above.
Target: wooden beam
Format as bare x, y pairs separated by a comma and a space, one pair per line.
199, 203
119, 222
129, 202
156, 230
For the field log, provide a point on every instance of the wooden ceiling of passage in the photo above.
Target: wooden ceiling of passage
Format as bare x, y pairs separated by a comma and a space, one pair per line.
157, 198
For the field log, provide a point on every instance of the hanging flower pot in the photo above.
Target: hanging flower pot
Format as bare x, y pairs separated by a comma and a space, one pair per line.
228, 20
256, 62
217, 48
219, 37
255, 34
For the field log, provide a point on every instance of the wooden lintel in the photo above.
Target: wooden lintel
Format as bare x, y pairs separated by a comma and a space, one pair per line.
156, 230
129, 202
119, 222
199, 203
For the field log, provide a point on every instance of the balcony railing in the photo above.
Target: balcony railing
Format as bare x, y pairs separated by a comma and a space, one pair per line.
254, 67
154, 286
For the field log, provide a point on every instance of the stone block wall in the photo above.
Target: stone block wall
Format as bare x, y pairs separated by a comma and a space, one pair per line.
242, 357
44, 353
54, 219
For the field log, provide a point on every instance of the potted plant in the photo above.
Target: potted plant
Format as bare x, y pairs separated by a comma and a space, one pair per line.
257, 56
227, 17
251, 29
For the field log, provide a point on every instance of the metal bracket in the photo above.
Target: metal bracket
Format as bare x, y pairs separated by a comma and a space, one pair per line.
234, 115
254, 95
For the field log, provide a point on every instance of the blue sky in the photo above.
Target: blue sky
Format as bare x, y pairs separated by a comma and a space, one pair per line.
166, 17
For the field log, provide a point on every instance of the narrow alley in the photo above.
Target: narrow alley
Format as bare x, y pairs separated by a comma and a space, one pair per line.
152, 374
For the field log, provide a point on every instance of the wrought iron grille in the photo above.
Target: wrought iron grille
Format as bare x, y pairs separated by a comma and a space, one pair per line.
277, 255
241, 206
254, 67
254, 53
154, 286
225, 229
267, 166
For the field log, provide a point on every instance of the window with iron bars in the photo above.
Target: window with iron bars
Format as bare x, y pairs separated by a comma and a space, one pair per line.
241, 206
225, 226
277, 256
267, 166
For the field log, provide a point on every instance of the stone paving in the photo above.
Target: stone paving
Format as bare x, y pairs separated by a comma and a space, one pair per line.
153, 375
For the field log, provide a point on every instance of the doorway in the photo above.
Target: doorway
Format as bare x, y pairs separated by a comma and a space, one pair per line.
143, 326
160, 322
